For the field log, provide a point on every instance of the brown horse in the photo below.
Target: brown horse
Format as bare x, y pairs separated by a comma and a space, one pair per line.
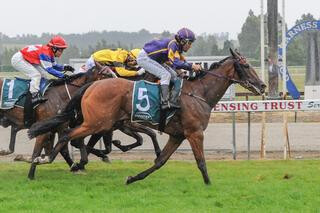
107, 138
102, 110
57, 96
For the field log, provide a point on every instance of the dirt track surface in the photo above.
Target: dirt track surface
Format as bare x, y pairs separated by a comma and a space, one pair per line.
304, 140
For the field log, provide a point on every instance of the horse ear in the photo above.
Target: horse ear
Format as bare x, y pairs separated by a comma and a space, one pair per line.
238, 53
232, 53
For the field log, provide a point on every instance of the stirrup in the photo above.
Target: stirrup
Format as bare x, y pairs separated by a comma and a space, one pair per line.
37, 99
165, 105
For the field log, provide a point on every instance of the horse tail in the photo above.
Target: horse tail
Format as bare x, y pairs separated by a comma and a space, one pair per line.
66, 115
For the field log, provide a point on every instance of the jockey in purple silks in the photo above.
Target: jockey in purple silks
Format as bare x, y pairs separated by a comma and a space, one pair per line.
162, 57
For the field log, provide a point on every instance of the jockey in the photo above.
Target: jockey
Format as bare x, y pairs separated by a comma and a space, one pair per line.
37, 60
157, 52
123, 62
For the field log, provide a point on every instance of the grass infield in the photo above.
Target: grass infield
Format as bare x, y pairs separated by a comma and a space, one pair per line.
237, 186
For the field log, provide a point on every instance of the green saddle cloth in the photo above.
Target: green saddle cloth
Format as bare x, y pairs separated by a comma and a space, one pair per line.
13, 91
146, 102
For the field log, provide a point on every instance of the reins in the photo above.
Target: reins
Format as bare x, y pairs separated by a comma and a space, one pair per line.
232, 80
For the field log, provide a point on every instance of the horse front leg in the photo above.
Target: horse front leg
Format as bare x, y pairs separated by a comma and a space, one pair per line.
36, 153
153, 137
97, 152
171, 146
66, 155
196, 142
129, 132
78, 132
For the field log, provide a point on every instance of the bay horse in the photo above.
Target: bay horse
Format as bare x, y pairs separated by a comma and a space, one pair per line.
60, 101
102, 110
57, 95
132, 130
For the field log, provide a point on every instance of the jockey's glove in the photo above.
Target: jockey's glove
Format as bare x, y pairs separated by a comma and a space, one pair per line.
67, 67
66, 77
141, 71
190, 75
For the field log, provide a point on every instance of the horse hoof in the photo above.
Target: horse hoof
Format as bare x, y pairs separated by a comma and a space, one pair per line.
80, 172
105, 159
19, 158
116, 142
129, 180
31, 178
40, 160
208, 183
74, 167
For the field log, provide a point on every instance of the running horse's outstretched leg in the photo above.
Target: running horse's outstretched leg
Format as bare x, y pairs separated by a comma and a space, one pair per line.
171, 146
38, 146
196, 142
78, 132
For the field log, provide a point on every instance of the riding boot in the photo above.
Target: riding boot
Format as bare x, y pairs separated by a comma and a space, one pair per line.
164, 97
174, 99
37, 98
28, 110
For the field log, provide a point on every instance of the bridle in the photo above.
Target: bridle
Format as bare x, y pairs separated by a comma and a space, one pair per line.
237, 63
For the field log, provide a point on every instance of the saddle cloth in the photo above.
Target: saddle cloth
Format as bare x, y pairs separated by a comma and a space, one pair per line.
146, 102
13, 91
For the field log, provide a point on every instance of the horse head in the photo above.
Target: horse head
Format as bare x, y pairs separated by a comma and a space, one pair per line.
245, 74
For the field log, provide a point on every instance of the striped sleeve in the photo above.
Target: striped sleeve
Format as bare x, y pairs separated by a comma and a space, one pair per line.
175, 57
46, 63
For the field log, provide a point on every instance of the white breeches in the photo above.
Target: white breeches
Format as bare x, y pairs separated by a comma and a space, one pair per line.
33, 71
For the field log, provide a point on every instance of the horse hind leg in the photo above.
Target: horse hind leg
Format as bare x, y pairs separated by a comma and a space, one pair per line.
171, 146
78, 132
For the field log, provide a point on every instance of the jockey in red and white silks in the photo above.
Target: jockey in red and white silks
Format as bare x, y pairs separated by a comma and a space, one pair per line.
36, 61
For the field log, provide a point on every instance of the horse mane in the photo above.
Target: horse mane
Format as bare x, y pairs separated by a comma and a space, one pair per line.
213, 66
216, 65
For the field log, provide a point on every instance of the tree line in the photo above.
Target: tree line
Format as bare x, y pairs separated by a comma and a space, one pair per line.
83, 45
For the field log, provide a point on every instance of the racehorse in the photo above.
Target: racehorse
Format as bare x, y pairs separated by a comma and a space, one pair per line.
102, 110
129, 130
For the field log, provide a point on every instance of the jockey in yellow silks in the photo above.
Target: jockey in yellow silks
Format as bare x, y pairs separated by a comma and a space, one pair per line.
123, 62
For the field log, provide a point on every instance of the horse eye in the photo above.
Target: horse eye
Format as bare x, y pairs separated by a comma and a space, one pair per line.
246, 66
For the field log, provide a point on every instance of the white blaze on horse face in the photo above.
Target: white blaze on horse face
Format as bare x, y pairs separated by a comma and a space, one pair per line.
142, 94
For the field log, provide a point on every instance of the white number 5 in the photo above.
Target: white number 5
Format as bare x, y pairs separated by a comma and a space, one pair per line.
142, 94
